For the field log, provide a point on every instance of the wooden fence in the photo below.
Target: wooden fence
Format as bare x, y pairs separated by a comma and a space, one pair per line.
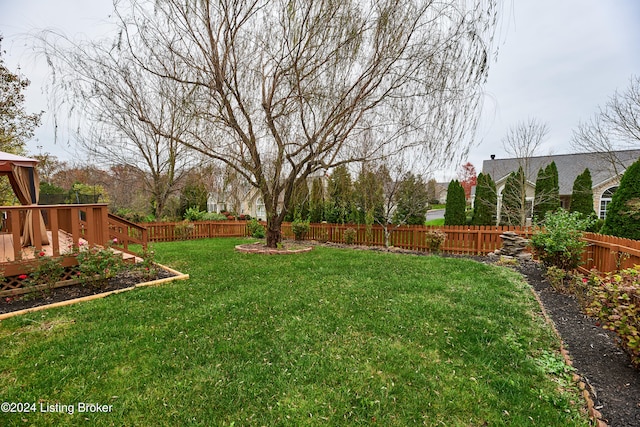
603, 253
170, 231
609, 253
473, 240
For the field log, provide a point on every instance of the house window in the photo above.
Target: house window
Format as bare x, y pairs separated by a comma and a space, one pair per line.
605, 199
261, 212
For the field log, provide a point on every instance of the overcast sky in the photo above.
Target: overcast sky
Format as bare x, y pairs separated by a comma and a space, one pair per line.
558, 61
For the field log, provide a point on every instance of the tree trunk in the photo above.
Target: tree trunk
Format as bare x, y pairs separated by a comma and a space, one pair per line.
274, 232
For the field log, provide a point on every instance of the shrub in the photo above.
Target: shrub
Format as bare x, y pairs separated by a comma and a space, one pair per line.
623, 213
559, 244
556, 277
183, 230
300, 229
255, 229
147, 269
96, 265
350, 236
214, 216
435, 239
194, 214
615, 302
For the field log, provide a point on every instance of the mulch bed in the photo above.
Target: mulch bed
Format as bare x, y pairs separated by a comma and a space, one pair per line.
123, 280
613, 381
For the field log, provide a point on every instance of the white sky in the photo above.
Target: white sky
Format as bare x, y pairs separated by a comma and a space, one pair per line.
558, 61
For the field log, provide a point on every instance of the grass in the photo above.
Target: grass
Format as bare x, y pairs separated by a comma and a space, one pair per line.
330, 337
437, 221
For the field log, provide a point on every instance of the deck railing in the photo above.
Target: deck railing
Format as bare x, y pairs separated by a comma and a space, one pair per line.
79, 222
123, 233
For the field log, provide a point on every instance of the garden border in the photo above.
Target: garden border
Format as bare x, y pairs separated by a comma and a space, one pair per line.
178, 276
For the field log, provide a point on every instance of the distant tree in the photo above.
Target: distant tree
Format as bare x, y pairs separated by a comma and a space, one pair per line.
16, 125
340, 192
623, 213
523, 141
432, 191
317, 202
485, 203
412, 201
616, 126
48, 166
454, 213
299, 203
468, 178
513, 208
193, 195
582, 194
547, 192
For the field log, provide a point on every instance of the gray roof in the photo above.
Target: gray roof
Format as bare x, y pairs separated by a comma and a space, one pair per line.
603, 166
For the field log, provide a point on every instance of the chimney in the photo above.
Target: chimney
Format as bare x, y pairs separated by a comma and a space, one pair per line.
493, 157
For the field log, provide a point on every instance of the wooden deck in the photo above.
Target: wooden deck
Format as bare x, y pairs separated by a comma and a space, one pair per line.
6, 246
66, 245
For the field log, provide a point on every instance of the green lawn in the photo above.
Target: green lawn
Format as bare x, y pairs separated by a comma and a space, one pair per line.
437, 221
331, 337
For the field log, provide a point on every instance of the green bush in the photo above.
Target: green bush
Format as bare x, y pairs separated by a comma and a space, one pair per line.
300, 229
214, 216
614, 302
350, 235
560, 244
255, 229
194, 214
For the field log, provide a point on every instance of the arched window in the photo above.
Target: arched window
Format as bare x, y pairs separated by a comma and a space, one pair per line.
605, 199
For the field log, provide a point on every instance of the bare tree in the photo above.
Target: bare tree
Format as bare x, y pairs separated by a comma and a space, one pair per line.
114, 100
522, 141
616, 126
283, 89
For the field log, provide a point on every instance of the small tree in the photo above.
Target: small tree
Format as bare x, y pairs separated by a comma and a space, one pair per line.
623, 213
582, 194
412, 201
454, 213
468, 178
513, 210
485, 205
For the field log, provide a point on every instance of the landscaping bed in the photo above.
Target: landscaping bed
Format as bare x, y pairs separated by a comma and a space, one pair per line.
612, 380
123, 280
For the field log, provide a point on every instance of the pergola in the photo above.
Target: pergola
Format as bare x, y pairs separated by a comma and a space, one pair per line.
24, 180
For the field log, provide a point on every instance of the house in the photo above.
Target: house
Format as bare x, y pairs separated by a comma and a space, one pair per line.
606, 170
